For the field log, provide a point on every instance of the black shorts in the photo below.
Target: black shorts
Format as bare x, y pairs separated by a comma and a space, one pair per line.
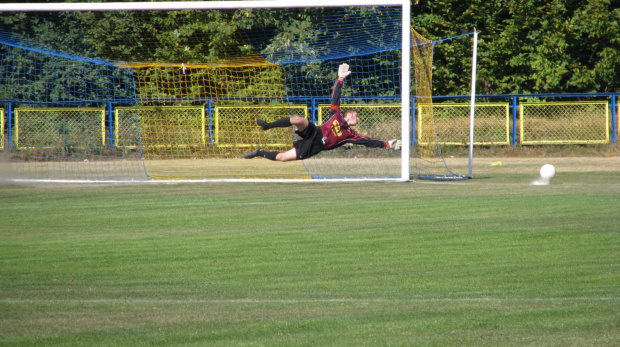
311, 142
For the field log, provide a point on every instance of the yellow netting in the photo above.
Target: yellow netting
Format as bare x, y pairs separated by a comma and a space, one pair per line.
422, 61
242, 78
427, 161
189, 143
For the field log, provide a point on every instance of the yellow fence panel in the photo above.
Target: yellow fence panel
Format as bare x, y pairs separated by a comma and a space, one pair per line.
71, 130
564, 122
161, 130
381, 121
235, 126
451, 122
184, 142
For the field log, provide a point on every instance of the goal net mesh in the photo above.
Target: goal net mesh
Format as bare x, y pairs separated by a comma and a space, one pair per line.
173, 95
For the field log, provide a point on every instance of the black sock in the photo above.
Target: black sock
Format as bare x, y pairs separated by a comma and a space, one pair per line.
280, 123
267, 155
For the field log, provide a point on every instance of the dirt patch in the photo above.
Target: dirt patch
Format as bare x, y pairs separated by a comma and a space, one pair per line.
543, 151
533, 164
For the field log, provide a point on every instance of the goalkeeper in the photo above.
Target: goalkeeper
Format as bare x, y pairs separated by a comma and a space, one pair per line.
332, 134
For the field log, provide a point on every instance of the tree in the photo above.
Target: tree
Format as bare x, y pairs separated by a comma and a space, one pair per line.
525, 46
530, 46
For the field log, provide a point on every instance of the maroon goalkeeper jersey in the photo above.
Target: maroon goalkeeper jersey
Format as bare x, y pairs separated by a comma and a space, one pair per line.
336, 132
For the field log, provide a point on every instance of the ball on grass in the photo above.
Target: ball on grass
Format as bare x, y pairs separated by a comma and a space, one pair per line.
547, 171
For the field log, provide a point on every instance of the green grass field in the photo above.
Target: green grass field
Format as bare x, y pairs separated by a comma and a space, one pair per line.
493, 261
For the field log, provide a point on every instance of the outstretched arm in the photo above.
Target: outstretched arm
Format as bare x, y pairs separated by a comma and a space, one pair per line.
374, 143
370, 142
343, 72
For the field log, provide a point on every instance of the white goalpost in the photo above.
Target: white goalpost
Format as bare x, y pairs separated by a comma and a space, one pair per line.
472, 108
405, 36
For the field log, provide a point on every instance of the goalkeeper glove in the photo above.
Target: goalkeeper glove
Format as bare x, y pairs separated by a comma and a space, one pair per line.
395, 144
343, 71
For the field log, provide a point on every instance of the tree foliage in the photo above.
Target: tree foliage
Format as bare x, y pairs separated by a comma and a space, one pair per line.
525, 46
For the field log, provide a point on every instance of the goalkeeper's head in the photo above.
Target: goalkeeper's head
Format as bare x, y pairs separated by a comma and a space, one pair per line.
350, 116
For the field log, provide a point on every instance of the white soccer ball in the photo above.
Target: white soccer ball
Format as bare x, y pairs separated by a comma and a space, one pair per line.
547, 171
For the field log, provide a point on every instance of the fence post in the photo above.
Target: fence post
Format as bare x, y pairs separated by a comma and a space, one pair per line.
313, 111
210, 120
614, 119
9, 125
513, 137
111, 125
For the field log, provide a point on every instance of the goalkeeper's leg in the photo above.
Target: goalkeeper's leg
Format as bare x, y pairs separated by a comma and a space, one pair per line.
279, 156
299, 122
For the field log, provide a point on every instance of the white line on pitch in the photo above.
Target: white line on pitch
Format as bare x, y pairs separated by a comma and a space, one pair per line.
294, 301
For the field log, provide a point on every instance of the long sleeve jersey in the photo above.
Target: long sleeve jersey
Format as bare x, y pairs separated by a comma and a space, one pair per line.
336, 131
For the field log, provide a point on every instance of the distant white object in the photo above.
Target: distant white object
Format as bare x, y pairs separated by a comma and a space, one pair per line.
547, 171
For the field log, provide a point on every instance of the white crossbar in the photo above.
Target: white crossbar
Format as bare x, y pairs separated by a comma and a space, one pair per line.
190, 5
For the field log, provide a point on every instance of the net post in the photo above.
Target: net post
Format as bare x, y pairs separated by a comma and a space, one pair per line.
405, 90
472, 109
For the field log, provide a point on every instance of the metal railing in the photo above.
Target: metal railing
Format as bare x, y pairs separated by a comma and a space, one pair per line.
516, 119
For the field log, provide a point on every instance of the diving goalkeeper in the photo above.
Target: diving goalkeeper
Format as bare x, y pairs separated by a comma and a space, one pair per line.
332, 134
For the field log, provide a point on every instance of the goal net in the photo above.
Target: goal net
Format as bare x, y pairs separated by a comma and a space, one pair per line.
174, 94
